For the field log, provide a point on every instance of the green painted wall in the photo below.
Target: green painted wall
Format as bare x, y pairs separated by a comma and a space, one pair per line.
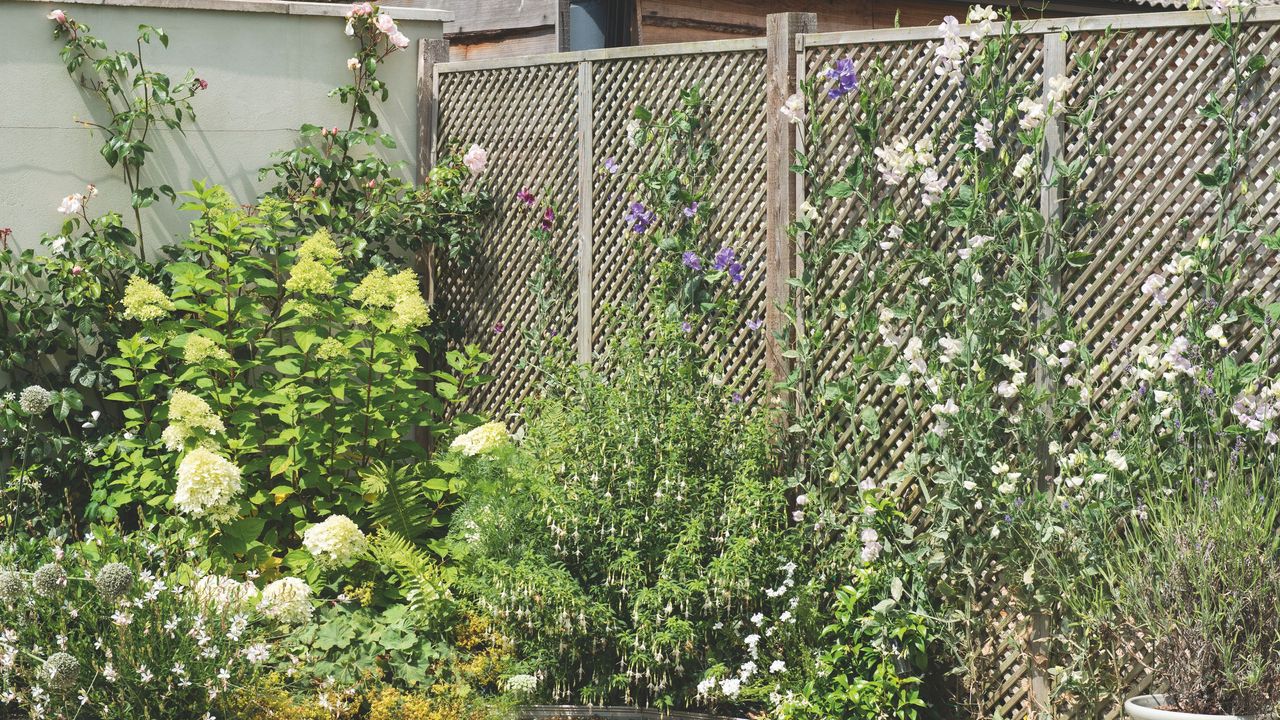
269, 67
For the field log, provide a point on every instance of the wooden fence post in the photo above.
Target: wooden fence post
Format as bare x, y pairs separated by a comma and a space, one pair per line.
1055, 64
431, 52
781, 62
586, 209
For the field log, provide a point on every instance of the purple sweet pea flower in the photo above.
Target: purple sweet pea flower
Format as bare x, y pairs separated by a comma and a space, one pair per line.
499, 328
639, 217
691, 210
685, 326
611, 165
692, 261
754, 324
735, 272
737, 398
724, 258
548, 219
525, 197
844, 76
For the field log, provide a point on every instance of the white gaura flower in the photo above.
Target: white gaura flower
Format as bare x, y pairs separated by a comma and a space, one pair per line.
336, 541
777, 666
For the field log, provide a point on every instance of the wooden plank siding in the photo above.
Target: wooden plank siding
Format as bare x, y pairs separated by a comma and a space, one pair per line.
670, 21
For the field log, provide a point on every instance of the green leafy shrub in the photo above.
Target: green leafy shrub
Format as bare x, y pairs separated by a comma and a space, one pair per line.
271, 379
627, 544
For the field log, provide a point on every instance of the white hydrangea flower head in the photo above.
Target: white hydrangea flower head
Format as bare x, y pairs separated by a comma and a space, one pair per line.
482, 440
287, 600
336, 541
223, 593
188, 415
208, 485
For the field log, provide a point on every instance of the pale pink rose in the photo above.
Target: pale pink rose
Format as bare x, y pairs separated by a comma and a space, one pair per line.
398, 39
476, 159
58, 16
358, 9
71, 204
384, 23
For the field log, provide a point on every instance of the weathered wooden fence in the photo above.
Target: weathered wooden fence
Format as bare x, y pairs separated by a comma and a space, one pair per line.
550, 122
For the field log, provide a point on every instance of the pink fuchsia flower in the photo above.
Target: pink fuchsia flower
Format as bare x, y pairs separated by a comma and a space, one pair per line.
476, 159
57, 16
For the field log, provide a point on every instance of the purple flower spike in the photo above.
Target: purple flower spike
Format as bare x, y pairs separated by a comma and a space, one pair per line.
692, 261
724, 258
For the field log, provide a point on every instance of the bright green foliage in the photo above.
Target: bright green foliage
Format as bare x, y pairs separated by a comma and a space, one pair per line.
312, 384
870, 657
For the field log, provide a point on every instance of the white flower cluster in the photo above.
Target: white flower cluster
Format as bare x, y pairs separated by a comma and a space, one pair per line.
222, 593
901, 159
482, 439
522, 684
34, 400
287, 600
954, 49
793, 109
208, 485
336, 541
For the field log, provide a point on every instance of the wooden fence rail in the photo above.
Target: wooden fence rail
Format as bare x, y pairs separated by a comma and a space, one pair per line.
550, 122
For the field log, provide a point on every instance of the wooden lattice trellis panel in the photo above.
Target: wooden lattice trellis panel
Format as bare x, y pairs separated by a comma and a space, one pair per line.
1152, 206
936, 109
733, 92
526, 117
532, 118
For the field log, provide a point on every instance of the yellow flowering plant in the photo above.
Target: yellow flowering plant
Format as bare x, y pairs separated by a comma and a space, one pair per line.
265, 381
